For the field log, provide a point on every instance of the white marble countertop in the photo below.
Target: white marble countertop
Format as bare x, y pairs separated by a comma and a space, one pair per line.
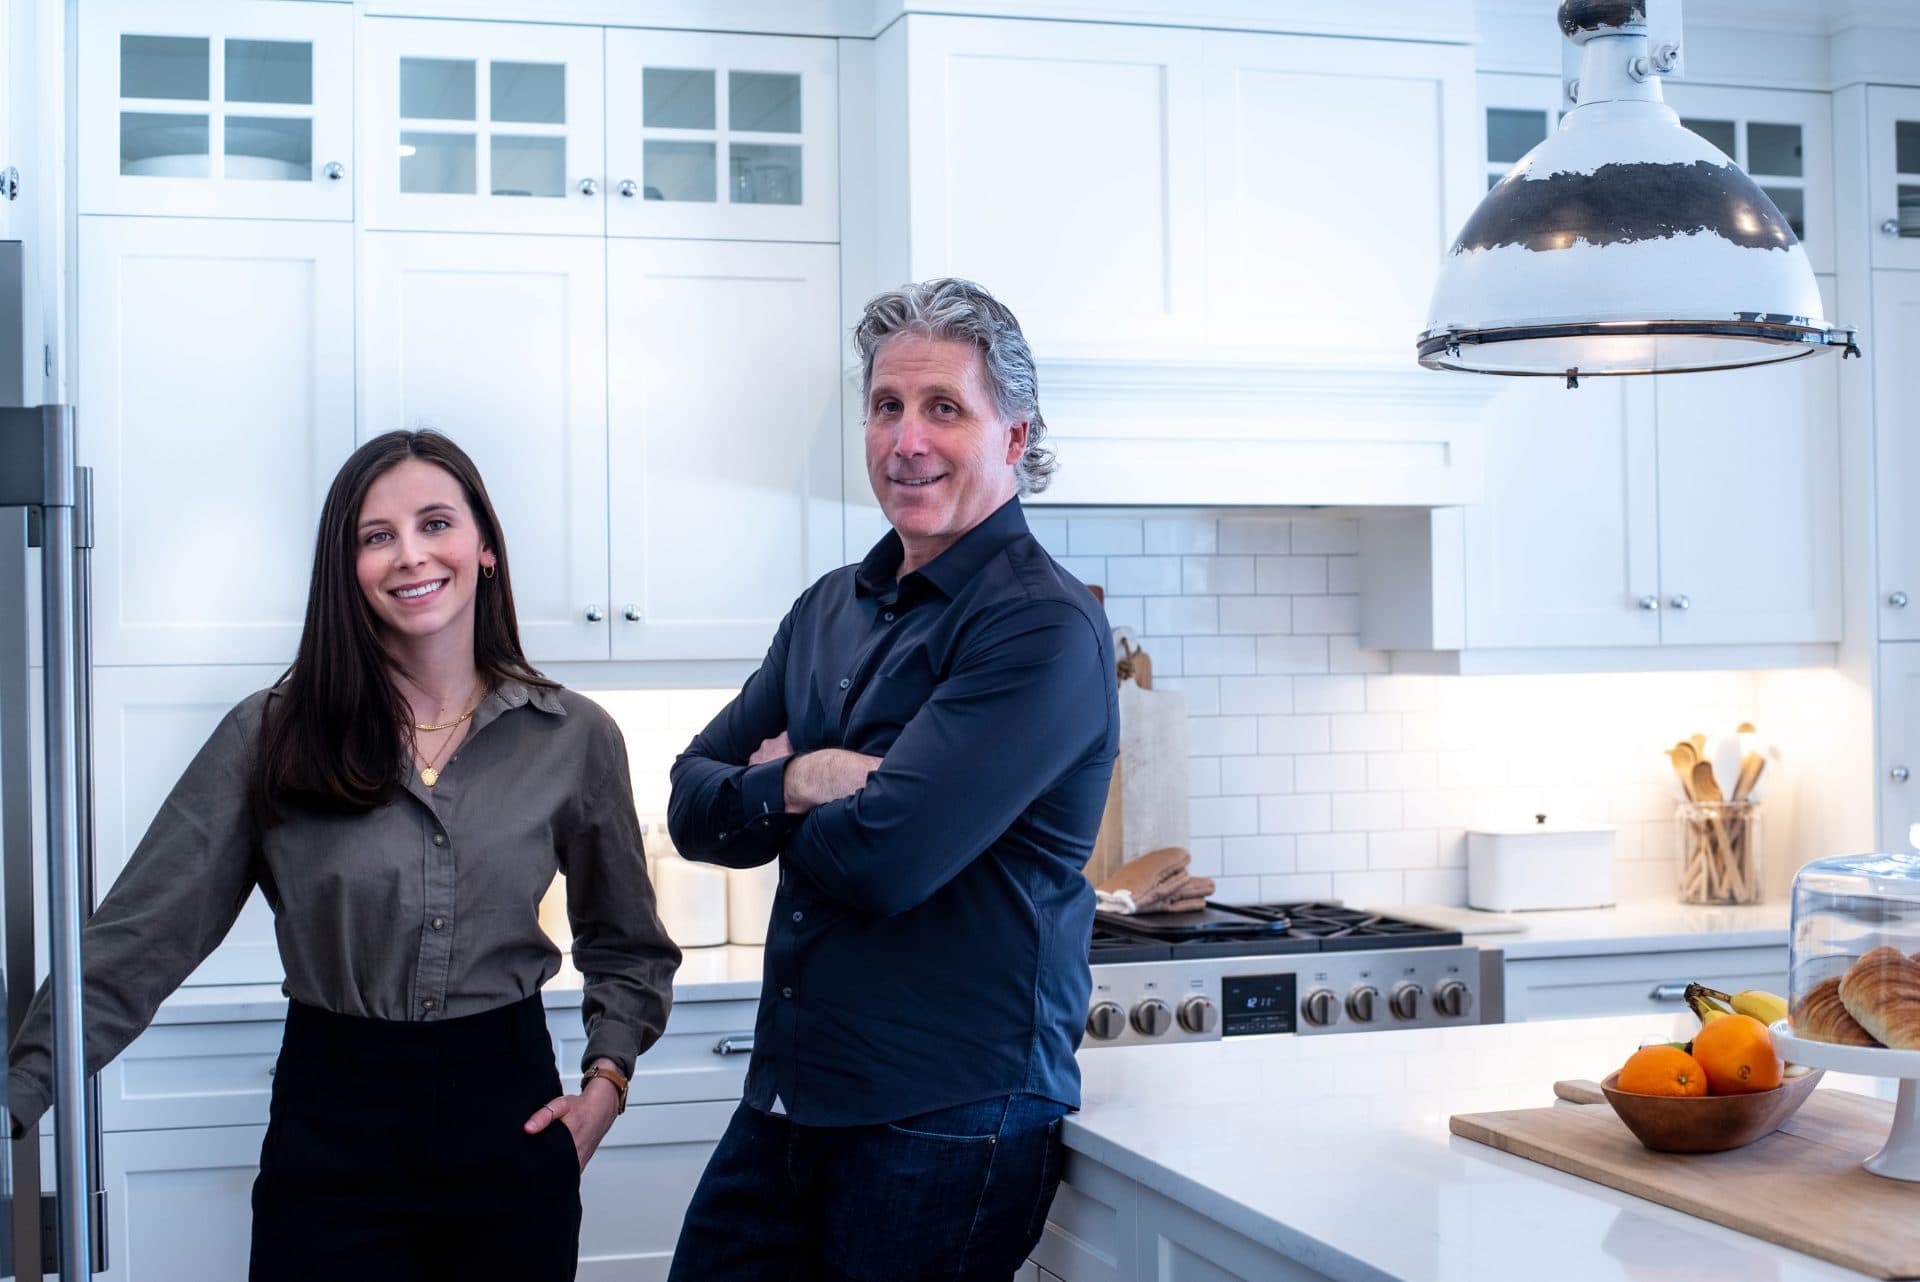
1644, 926
1334, 1151
729, 972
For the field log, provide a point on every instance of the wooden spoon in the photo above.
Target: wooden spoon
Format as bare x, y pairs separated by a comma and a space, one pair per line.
1750, 767
1681, 754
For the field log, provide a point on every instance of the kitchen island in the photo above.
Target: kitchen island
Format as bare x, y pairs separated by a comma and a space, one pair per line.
1304, 1157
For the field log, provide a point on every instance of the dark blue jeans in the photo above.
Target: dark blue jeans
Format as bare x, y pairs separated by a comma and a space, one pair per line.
956, 1195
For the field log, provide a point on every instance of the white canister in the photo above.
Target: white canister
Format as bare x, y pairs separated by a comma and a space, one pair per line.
1540, 865
750, 902
693, 901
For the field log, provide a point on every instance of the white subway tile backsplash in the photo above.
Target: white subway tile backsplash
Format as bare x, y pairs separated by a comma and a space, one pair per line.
1291, 575
1295, 734
1366, 811
1220, 656
1091, 570
1222, 736
1261, 695
1436, 886
1302, 813
1257, 614
1127, 612
1331, 772
1370, 887
1407, 848
1179, 535
1183, 615
1206, 856
1402, 692
1143, 576
1222, 574
1343, 574
1333, 535
1329, 694
1256, 775
1256, 534
1285, 654
1201, 693
1366, 732
1101, 536
1314, 615
1223, 816
1330, 852
1166, 654
1400, 771
1296, 887
1051, 531
1237, 890
1345, 655
1251, 856
1203, 776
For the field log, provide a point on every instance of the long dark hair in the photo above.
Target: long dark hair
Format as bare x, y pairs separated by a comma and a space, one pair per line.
337, 725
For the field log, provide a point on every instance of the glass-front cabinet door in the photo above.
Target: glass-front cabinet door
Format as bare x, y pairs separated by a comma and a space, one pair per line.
1781, 137
221, 108
1893, 168
476, 126
721, 136
1518, 111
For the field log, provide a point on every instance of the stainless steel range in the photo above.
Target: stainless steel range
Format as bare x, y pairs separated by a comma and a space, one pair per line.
1247, 970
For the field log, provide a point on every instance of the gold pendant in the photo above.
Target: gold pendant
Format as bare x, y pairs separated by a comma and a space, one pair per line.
429, 776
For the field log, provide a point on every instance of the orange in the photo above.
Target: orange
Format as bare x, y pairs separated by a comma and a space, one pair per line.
1737, 1052
1662, 1070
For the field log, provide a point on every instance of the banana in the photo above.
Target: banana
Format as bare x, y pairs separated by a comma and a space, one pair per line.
1709, 1004
1768, 1008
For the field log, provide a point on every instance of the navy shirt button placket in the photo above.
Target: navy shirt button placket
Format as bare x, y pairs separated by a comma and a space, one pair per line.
845, 682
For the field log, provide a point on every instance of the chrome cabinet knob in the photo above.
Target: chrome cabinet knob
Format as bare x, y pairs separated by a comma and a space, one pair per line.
1106, 1021
1682, 602
1198, 1015
1363, 1003
632, 613
589, 186
10, 183
1405, 1002
595, 614
1152, 1017
335, 170
1898, 600
1452, 999
1649, 602
1891, 227
1321, 1007
1899, 774
629, 188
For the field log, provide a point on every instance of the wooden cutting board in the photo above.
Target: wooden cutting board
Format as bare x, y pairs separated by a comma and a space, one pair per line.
1801, 1187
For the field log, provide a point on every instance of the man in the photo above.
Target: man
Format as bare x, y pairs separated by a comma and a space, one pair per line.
926, 749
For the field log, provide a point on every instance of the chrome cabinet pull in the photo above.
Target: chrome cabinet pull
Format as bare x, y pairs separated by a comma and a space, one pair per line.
738, 1044
595, 614
1682, 602
1668, 993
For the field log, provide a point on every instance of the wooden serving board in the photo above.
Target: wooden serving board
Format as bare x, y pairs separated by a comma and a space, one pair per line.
1801, 1187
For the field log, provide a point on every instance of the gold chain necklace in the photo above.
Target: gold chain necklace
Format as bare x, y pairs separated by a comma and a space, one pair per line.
428, 775
448, 725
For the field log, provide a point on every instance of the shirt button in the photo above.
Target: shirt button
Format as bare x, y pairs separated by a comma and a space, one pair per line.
786, 992
429, 1003
798, 915
845, 682
439, 923
439, 839
888, 616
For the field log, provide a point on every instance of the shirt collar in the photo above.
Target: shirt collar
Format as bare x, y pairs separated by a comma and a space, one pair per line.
513, 694
953, 568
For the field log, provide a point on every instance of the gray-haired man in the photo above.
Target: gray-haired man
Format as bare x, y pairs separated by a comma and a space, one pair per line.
926, 749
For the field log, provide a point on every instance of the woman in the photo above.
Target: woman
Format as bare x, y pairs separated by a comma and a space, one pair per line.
403, 796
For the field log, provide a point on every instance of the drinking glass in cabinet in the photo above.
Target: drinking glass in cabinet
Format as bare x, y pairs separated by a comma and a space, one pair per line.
763, 174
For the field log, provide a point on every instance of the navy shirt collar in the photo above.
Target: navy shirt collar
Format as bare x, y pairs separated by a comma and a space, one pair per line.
877, 574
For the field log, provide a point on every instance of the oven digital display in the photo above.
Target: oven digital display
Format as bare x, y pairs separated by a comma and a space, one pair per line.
1256, 1004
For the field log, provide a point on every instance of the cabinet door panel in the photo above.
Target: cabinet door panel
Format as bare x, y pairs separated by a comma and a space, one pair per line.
722, 136
1565, 545
482, 126
1750, 503
725, 385
1784, 140
216, 108
1898, 692
661, 1149
1895, 356
1634, 983
1893, 169
217, 386
148, 724
499, 341
1311, 248
181, 1203
1062, 165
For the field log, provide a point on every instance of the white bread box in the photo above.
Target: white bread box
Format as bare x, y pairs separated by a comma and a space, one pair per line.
1540, 865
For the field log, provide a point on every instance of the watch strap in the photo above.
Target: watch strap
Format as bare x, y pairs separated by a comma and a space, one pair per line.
614, 1075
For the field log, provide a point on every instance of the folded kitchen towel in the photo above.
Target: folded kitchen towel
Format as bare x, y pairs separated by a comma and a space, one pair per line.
1141, 877
1178, 894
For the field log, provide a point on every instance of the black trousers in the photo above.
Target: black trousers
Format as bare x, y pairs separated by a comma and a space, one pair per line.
394, 1153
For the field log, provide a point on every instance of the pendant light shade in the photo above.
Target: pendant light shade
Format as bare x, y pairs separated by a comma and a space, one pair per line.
1625, 243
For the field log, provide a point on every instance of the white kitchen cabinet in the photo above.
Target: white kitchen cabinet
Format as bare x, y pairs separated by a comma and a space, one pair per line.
1897, 691
1783, 139
216, 377
722, 136
1894, 354
148, 724
637, 1188
724, 456
482, 126
1312, 252
1893, 175
180, 1203
1634, 983
216, 108
1517, 112
500, 342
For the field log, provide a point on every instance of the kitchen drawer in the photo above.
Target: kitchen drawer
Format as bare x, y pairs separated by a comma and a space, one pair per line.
176, 1076
1634, 983
1090, 1233
685, 1065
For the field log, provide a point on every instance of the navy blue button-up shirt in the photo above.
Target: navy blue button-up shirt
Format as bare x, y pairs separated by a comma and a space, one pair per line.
929, 938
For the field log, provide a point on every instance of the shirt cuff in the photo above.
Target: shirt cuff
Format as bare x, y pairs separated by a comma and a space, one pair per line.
763, 791
26, 1099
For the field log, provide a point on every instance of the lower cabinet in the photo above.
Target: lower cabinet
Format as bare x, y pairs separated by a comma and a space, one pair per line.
636, 1190
179, 1203
1634, 983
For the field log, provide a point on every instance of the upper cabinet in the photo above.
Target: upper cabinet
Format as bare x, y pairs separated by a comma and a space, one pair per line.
1893, 171
479, 126
1783, 140
221, 108
1895, 358
718, 136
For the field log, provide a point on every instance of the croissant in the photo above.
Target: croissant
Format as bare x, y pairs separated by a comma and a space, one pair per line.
1882, 991
1820, 1016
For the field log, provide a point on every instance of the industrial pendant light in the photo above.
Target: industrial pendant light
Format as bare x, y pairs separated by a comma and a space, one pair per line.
1625, 243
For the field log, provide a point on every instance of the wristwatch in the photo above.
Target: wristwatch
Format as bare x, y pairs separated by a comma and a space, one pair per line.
613, 1075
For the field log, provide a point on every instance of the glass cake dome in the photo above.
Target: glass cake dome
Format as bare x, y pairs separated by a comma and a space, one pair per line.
1854, 980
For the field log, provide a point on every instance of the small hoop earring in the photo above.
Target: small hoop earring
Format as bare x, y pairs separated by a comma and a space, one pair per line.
487, 571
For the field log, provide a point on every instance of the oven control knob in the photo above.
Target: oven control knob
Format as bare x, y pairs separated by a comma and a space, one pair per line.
1152, 1017
1405, 1001
1198, 1015
1362, 1003
1321, 1007
1106, 1021
1452, 999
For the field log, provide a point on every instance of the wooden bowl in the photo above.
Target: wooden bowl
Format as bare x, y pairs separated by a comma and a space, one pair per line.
1707, 1123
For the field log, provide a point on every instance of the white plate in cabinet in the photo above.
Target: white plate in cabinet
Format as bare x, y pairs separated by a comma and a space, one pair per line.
722, 136
1634, 983
702, 1055
216, 108
180, 1203
176, 1076
218, 401
482, 126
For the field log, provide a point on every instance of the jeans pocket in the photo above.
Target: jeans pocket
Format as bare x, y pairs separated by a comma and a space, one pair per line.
1052, 1167
905, 1201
